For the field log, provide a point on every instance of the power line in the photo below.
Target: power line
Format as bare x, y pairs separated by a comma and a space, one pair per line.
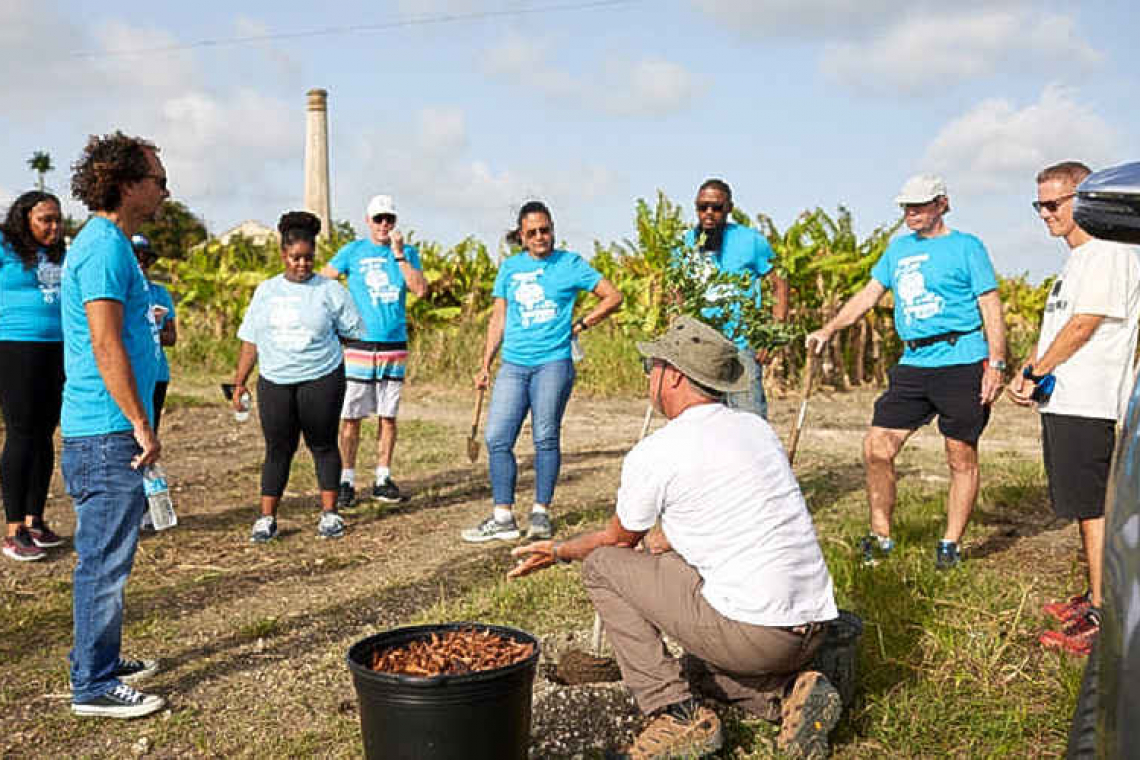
341, 30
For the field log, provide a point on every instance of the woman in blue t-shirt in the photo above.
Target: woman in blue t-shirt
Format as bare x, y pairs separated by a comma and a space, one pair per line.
293, 328
31, 348
531, 320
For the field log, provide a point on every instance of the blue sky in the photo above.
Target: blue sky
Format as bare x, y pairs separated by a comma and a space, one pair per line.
796, 104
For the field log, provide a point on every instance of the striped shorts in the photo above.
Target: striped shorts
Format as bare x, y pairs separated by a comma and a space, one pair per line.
369, 361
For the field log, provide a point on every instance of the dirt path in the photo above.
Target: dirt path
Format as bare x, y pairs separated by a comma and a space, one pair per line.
253, 637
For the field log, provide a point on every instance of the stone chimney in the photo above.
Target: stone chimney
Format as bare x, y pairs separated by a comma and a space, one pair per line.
317, 158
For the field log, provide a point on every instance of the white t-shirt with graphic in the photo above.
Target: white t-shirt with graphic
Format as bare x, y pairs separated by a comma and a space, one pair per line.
1102, 279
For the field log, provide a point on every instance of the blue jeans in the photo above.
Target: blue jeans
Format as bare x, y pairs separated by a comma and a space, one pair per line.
543, 391
752, 400
109, 505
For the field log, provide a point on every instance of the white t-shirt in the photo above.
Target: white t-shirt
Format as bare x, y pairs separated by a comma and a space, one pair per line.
1102, 279
728, 502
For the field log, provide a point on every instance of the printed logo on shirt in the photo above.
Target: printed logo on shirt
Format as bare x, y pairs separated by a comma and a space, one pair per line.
910, 288
285, 325
1054, 302
380, 287
534, 307
48, 277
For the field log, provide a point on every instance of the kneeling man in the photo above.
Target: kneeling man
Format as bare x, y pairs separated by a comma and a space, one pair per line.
738, 578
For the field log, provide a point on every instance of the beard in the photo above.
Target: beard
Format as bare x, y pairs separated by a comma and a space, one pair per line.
713, 238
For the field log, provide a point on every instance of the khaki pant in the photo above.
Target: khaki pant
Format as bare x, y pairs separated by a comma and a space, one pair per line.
641, 596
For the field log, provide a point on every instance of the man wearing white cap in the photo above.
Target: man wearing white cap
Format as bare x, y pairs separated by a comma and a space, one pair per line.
948, 315
380, 272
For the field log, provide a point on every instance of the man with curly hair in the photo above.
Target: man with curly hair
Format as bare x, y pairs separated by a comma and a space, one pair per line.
111, 363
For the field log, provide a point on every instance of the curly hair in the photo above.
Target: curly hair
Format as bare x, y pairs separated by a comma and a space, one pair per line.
17, 231
716, 184
109, 162
514, 237
298, 226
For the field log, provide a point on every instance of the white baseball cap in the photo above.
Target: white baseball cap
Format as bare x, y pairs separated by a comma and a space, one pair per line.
921, 188
381, 204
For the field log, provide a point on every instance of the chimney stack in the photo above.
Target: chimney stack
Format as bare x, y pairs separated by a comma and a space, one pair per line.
317, 159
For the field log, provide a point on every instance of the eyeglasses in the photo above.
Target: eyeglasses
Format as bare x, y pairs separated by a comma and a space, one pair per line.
649, 362
382, 218
1052, 205
716, 207
536, 231
159, 179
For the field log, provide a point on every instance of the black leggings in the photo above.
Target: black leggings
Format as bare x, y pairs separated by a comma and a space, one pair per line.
159, 401
286, 411
31, 393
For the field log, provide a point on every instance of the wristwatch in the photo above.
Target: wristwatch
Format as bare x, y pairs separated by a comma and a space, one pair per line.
582, 326
999, 365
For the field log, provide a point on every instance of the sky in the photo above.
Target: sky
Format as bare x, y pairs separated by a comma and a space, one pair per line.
464, 109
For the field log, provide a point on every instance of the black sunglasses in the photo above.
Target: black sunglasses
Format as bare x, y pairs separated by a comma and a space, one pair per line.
536, 231
1052, 205
381, 218
717, 207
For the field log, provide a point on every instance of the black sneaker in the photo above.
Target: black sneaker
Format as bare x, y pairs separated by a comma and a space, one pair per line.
345, 496
133, 671
873, 550
122, 701
387, 492
947, 556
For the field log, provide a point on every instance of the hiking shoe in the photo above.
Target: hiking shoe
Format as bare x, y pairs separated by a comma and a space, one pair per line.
133, 671
265, 529
122, 701
679, 731
873, 550
345, 496
44, 537
1077, 637
490, 529
21, 548
387, 492
1068, 610
331, 525
539, 526
810, 712
947, 556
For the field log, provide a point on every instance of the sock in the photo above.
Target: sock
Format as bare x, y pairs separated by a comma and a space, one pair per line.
348, 476
886, 543
503, 514
947, 542
382, 474
538, 508
683, 711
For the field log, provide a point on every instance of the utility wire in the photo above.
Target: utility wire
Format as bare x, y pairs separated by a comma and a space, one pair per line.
341, 30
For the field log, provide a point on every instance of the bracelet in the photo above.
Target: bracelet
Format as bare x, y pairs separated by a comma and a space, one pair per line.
400, 259
582, 326
554, 553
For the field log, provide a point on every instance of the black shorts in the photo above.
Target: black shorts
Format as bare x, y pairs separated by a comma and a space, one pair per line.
1078, 453
916, 394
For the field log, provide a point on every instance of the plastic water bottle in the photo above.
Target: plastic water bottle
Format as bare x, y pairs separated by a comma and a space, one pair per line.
241, 415
159, 505
576, 352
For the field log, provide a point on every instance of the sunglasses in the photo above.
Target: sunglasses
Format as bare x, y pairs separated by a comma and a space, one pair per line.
382, 218
717, 207
536, 231
1052, 205
159, 179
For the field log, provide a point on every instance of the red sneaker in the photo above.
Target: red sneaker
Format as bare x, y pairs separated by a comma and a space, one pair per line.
44, 537
1068, 610
21, 548
1077, 637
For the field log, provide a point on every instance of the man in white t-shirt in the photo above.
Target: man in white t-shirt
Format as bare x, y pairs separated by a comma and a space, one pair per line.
738, 578
1080, 377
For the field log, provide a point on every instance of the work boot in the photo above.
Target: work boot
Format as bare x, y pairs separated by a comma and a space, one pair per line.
682, 730
810, 712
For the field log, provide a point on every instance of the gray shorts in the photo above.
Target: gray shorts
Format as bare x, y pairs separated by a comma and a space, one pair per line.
380, 398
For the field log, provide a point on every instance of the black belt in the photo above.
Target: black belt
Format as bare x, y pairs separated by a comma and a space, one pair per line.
946, 337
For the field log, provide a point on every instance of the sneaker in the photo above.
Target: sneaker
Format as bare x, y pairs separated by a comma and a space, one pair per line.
265, 529
331, 525
873, 550
345, 496
21, 548
122, 701
947, 556
1077, 637
539, 526
679, 731
387, 492
490, 529
44, 537
1068, 610
810, 712
133, 671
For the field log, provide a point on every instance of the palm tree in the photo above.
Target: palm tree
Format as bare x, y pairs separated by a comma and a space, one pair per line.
40, 163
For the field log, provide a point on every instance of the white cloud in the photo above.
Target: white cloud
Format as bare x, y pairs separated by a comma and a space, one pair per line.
997, 146
799, 17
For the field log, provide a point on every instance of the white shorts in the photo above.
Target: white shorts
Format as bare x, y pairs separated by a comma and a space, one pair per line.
379, 397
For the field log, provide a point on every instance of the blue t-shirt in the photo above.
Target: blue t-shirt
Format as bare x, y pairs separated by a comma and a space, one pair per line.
742, 249
295, 326
101, 265
936, 283
160, 296
540, 295
29, 298
377, 286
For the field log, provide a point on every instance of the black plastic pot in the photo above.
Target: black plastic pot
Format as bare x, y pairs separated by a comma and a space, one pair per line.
476, 716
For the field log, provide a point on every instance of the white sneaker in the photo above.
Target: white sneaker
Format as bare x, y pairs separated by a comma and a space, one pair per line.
265, 529
331, 525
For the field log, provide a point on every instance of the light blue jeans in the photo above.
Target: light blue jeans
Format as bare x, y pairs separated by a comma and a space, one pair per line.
752, 400
109, 505
543, 391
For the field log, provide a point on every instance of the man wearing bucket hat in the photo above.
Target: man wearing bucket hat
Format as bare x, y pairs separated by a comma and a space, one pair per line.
948, 315
741, 583
380, 271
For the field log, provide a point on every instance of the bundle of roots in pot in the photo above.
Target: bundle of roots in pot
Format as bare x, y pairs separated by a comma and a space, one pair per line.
453, 653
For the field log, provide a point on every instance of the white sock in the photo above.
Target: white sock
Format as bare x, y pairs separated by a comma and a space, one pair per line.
382, 474
538, 508
348, 476
503, 514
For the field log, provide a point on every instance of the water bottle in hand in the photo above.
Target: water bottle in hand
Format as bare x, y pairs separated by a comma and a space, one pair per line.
159, 505
577, 354
246, 401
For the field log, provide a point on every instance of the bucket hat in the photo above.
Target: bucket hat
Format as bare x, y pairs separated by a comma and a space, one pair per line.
701, 354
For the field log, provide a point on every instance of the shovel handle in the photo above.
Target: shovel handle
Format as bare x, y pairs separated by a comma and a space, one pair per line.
808, 384
478, 411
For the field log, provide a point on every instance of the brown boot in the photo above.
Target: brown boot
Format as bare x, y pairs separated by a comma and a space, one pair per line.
810, 712
684, 733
